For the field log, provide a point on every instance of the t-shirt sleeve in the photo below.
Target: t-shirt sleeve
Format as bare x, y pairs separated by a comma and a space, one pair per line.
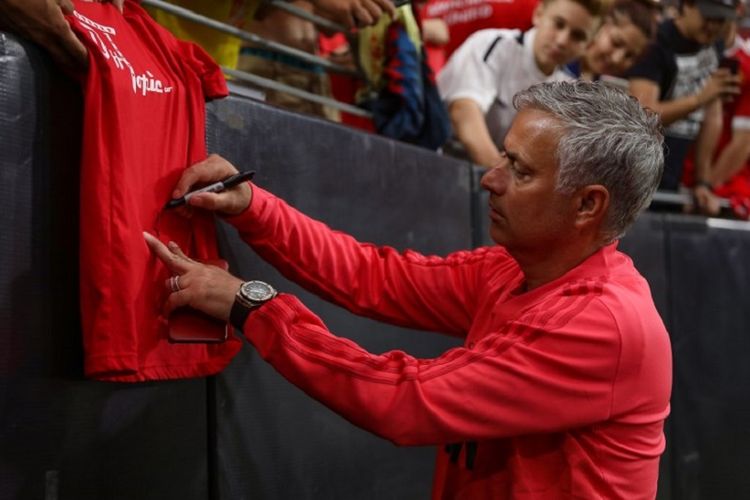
404, 288
468, 75
212, 78
537, 374
653, 65
741, 118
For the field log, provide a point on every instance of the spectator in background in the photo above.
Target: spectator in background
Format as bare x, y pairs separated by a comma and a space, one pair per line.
678, 78
225, 48
285, 28
628, 28
43, 22
730, 175
222, 47
481, 77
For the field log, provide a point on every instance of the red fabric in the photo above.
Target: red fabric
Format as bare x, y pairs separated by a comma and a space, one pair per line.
144, 120
560, 392
464, 17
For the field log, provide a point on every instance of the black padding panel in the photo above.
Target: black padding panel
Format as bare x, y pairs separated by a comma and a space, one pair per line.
62, 436
274, 441
710, 301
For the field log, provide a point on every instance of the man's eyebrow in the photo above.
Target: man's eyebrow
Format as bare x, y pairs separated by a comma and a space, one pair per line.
513, 157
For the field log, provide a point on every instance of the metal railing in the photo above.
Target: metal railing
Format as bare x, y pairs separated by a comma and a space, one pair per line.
681, 199
250, 37
300, 55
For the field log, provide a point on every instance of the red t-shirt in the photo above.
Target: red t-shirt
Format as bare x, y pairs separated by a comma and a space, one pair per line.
559, 392
144, 123
464, 17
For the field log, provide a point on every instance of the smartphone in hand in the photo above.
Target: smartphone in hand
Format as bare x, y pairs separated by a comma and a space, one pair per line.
730, 63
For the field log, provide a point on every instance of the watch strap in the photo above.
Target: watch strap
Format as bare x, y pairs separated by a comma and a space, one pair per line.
238, 315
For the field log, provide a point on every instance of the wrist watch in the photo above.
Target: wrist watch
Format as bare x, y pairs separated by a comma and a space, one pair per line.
251, 295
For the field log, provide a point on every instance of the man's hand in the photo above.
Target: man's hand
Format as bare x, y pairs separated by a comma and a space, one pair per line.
354, 13
213, 169
722, 84
208, 289
43, 22
708, 202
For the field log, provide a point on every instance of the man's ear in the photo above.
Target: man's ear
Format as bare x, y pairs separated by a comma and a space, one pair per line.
592, 205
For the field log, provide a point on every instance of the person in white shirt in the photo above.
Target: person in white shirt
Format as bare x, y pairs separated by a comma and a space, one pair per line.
482, 76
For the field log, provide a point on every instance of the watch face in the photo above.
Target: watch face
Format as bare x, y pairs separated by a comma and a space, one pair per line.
257, 291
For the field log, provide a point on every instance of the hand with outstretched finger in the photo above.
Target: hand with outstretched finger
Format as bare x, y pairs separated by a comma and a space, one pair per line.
203, 287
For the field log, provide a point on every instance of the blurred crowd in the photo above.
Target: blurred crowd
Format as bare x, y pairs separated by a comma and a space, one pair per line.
442, 73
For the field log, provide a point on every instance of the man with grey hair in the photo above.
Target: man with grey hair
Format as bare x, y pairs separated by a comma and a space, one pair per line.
563, 383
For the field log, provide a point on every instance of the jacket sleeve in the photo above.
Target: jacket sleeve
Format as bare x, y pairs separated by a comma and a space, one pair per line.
409, 289
519, 380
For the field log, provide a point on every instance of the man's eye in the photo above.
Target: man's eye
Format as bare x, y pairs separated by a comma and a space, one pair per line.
579, 36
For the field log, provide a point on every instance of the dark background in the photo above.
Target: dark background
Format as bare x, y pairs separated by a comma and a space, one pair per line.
247, 433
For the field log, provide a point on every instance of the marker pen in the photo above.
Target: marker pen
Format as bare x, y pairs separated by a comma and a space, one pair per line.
216, 187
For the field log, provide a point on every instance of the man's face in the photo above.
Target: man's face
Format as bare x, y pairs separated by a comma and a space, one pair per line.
699, 28
564, 28
616, 46
528, 215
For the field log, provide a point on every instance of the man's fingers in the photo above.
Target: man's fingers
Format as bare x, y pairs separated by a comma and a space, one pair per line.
387, 7
362, 15
63, 45
374, 10
174, 262
377, 9
206, 201
212, 169
175, 249
66, 6
158, 248
175, 301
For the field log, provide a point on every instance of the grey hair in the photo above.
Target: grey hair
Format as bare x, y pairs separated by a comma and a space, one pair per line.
607, 138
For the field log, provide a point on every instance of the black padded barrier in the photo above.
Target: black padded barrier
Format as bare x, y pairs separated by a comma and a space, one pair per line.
709, 293
62, 436
247, 433
273, 440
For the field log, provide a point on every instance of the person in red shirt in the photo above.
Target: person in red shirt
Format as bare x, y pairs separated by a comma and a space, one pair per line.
562, 386
730, 176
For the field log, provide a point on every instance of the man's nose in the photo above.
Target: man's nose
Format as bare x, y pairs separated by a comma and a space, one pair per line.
617, 56
495, 180
563, 38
